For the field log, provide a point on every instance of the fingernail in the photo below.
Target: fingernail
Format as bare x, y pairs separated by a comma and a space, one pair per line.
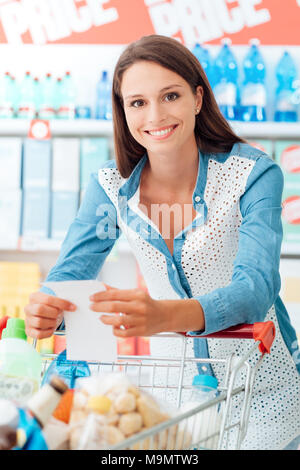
92, 297
72, 307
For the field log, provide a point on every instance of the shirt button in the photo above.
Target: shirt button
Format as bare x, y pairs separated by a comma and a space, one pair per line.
197, 198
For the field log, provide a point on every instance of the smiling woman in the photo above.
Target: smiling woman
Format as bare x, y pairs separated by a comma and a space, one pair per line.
185, 86
201, 210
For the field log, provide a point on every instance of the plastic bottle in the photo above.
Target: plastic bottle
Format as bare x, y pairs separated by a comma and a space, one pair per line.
285, 105
103, 101
15, 95
47, 98
58, 93
83, 112
205, 60
27, 99
6, 97
253, 93
66, 110
9, 420
42, 404
208, 421
226, 81
36, 413
37, 95
20, 363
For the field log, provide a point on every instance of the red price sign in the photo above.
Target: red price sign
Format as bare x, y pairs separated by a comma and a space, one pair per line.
39, 130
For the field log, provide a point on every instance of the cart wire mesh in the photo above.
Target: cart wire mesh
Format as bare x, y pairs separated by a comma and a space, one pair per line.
208, 425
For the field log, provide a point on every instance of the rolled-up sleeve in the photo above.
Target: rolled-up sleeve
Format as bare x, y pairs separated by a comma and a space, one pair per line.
255, 282
89, 239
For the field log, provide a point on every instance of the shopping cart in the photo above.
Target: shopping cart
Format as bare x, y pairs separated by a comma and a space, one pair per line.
210, 425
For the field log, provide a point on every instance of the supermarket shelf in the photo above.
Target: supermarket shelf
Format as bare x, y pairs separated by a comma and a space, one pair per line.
93, 127
27, 244
290, 250
31, 244
63, 128
267, 130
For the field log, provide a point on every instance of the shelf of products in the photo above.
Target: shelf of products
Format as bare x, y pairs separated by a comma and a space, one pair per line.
267, 130
31, 244
59, 127
277, 139
94, 127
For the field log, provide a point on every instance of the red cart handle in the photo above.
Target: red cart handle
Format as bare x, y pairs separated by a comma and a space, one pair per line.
260, 331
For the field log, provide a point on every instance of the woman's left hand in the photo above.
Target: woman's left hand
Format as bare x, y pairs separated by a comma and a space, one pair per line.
140, 314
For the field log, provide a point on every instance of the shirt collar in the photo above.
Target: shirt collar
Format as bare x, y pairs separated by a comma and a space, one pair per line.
129, 188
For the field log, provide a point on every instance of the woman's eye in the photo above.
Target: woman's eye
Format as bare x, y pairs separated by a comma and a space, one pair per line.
168, 97
137, 103
171, 96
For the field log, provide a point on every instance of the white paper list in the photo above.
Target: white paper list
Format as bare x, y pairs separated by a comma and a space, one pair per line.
87, 338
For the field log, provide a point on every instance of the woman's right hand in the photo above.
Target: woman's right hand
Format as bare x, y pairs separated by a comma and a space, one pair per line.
44, 314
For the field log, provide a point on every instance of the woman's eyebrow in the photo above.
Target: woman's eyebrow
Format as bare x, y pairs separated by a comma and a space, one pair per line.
163, 89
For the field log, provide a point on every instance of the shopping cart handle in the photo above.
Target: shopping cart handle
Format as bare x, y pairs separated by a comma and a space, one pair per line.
259, 331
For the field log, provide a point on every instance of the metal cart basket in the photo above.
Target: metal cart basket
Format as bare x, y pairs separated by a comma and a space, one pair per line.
209, 425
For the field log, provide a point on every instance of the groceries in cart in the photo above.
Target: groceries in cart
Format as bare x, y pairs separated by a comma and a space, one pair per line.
102, 412
20, 363
22, 428
108, 409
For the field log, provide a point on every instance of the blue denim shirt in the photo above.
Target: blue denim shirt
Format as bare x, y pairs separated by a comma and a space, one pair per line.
255, 282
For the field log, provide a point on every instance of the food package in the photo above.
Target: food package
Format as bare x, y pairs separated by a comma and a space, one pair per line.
108, 409
56, 434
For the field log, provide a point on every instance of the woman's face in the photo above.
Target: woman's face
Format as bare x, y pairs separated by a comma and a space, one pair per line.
160, 107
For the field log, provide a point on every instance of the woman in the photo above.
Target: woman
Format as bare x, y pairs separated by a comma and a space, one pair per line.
202, 212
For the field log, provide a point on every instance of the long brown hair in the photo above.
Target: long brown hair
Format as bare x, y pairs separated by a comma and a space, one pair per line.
212, 131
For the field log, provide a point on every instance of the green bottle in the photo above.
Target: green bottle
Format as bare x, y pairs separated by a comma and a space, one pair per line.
20, 364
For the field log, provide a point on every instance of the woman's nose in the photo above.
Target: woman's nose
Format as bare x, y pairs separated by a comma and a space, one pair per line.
156, 113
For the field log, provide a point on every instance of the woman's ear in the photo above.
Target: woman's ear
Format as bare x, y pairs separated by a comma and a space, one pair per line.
199, 98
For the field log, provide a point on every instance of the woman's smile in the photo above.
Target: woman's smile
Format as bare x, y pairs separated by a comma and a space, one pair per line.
162, 133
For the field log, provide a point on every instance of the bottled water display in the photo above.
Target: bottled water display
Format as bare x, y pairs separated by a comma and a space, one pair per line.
7, 103
26, 108
103, 97
253, 93
226, 81
205, 60
45, 98
240, 96
67, 93
286, 93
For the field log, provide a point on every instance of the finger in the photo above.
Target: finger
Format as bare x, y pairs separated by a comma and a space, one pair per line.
42, 311
41, 323
127, 333
118, 294
41, 297
108, 287
120, 320
39, 334
114, 307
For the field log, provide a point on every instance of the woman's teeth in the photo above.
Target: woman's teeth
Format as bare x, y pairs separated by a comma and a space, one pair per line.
164, 132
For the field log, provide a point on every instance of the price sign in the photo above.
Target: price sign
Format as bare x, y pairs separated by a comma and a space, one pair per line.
39, 129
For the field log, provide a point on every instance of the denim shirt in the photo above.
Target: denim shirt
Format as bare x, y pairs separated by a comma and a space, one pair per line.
254, 283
